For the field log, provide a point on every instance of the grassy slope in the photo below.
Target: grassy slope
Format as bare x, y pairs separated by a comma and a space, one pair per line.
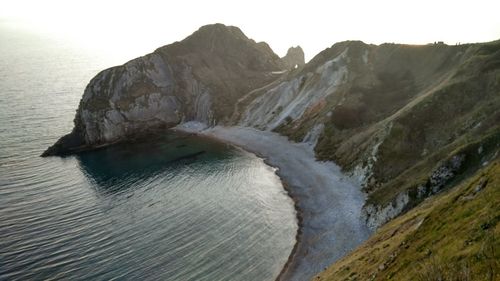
426, 125
455, 233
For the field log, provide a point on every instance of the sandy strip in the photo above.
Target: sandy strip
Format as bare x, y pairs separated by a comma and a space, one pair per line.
328, 203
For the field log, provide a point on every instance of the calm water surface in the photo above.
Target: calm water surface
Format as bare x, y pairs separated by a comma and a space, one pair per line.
137, 211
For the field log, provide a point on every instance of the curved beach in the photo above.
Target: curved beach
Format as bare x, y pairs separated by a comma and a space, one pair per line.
328, 203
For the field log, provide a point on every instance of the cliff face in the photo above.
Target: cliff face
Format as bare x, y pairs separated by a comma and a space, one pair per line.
199, 78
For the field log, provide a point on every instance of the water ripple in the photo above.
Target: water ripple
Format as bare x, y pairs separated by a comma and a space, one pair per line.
127, 212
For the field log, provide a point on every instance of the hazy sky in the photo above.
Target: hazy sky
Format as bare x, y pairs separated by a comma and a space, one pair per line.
141, 26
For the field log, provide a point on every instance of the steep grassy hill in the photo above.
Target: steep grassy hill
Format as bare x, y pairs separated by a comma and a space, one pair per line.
452, 236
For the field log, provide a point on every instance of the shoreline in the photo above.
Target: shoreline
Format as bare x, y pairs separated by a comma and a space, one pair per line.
298, 235
298, 210
285, 185
326, 232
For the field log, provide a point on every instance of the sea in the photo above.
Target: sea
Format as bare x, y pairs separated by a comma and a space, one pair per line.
168, 207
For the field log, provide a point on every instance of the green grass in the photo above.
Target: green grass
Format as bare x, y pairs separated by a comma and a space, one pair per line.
454, 235
419, 173
448, 113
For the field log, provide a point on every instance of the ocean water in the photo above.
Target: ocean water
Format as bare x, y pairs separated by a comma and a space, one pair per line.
173, 207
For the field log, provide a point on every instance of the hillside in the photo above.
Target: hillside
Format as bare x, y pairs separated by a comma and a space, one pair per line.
404, 120
453, 236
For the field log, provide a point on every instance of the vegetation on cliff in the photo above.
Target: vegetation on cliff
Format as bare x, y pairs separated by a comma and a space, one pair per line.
390, 115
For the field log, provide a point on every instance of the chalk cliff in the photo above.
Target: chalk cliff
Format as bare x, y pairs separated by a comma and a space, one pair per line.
199, 78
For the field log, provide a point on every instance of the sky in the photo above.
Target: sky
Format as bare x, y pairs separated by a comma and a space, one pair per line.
142, 26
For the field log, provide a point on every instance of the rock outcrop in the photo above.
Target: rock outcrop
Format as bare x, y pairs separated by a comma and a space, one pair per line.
294, 58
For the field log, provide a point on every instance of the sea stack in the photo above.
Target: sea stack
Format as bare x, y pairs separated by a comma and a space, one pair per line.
294, 57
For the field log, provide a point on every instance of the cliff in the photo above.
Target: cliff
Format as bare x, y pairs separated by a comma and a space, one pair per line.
199, 78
